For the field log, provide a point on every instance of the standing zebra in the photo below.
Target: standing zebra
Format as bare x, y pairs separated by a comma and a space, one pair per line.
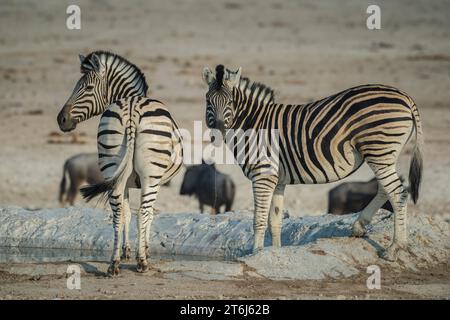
109, 78
321, 142
137, 137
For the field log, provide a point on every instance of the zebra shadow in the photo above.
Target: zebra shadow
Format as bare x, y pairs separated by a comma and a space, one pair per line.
91, 269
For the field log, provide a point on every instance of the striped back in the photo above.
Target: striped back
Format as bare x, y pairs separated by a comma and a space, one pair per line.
107, 77
318, 142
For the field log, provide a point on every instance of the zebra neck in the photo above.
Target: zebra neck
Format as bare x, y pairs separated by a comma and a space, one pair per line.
123, 87
249, 104
123, 79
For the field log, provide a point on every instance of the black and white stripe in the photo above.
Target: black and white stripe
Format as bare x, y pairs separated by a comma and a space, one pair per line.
107, 78
320, 142
138, 140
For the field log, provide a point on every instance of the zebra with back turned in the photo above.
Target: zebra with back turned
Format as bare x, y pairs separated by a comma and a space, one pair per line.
126, 155
320, 142
106, 77
139, 141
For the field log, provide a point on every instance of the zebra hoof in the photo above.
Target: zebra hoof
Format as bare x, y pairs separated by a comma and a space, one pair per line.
113, 269
126, 254
391, 253
257, 250
358, 229
142, 266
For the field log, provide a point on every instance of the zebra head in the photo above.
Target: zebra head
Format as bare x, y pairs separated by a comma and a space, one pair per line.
220, 104
89, 97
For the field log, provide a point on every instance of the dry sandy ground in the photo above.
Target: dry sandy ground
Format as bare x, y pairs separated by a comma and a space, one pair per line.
158, 284
305, 50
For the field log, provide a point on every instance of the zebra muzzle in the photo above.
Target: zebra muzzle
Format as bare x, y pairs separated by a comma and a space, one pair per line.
65, 120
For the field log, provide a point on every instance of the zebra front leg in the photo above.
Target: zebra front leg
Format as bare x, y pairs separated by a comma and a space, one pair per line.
262, 193
276, 215
126, 250
116, 202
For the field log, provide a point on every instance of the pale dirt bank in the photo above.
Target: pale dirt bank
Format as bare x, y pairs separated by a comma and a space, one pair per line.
317, 254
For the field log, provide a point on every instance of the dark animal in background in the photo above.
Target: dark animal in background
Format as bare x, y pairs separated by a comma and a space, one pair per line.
79, 169
210, 186
350, 197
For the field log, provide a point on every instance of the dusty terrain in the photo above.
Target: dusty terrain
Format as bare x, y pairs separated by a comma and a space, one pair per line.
304, 50
163, 284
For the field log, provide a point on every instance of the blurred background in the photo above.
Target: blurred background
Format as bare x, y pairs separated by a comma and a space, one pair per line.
305, 50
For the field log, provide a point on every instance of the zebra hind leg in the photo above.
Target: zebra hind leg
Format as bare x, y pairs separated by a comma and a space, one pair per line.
116, 201
149, 192
126, 250
398, 197
391, 186
359, 227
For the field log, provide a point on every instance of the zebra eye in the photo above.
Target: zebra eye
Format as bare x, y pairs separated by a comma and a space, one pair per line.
89, 88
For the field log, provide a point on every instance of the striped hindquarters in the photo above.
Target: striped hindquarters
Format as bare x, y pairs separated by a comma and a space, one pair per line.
149, 126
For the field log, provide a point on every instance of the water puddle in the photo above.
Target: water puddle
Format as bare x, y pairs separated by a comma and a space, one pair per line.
33, 255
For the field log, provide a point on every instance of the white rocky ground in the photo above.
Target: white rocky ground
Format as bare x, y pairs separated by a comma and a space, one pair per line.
313, 247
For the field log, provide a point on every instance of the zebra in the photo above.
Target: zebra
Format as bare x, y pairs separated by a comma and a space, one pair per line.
106, 78
137, 139
321, 142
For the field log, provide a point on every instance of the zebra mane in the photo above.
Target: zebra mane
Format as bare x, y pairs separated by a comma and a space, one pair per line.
247, 84
109, 57
220, 69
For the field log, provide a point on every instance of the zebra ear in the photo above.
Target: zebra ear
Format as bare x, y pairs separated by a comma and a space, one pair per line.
96, 64
208, 76
85, 65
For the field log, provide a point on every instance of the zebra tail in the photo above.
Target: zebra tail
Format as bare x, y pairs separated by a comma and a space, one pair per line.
416, 166
106, 188
62, 185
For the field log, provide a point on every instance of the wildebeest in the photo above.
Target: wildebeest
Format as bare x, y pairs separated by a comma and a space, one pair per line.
350, 197
79, 169
210, 186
